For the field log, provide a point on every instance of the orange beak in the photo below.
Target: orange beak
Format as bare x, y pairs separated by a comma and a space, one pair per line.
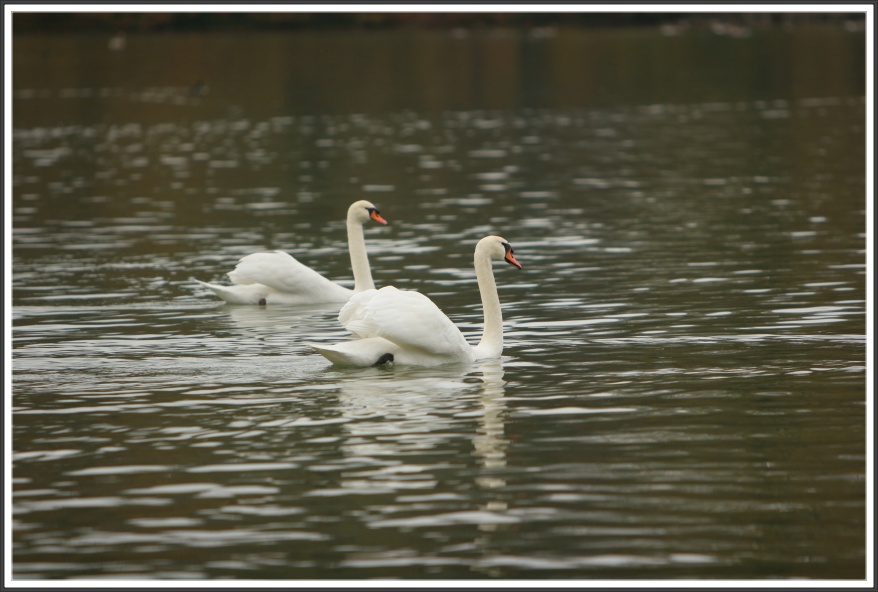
510, 259
377, 217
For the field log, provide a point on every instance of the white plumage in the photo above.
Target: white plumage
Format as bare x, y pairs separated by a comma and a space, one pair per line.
406, 327
278, 278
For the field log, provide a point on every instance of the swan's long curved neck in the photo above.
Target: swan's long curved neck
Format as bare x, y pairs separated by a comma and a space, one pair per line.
491, 344
359, 258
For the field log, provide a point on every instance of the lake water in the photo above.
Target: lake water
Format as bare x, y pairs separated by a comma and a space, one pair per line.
683, 390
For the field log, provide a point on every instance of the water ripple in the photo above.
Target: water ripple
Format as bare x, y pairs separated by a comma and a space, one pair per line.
685, 346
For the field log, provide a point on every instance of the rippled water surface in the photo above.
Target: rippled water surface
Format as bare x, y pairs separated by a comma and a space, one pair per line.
682, 392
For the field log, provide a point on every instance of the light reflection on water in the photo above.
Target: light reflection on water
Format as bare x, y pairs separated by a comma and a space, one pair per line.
681, 393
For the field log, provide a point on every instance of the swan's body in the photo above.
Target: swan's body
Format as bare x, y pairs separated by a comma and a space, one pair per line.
278, 278
406, 327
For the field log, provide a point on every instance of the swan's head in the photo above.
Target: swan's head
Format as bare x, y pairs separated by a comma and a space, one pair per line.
498, 248
362, 211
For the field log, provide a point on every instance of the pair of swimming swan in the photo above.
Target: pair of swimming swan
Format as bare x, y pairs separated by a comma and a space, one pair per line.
399, 326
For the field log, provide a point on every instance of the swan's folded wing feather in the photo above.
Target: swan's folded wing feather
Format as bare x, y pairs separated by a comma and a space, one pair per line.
354, 315
406, 318
282, 272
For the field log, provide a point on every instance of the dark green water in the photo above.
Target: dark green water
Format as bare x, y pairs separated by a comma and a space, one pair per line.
683, 389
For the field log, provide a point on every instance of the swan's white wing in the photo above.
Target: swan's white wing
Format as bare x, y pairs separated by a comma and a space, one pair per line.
406, 318
281, 272
352, 315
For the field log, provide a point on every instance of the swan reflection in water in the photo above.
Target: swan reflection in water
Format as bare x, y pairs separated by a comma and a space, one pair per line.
491, 442
403, 431
420, 414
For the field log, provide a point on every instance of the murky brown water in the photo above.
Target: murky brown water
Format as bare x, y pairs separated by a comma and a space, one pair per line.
682, 393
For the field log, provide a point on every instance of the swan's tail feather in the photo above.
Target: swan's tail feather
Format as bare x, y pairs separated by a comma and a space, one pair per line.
360, 352
331, 354
238, 294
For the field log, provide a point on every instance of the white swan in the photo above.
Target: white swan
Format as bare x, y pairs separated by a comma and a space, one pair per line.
278, 278
406, 327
